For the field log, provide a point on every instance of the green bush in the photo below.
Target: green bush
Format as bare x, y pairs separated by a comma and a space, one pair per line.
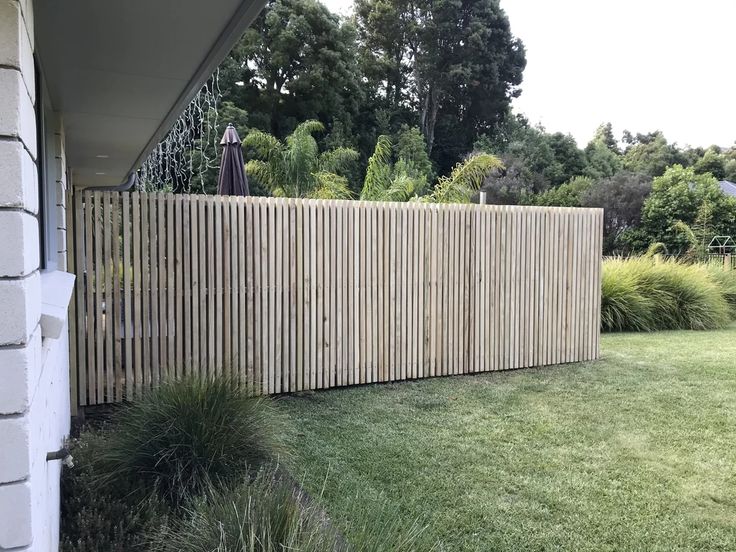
184, 434
261, 515
115, 519
648, 294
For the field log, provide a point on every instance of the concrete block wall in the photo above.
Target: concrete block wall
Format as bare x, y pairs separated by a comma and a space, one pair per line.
60, 172
34, 389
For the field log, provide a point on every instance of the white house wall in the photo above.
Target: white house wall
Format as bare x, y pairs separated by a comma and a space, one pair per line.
34, 389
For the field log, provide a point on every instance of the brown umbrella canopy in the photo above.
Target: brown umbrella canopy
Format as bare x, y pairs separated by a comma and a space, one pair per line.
232, 179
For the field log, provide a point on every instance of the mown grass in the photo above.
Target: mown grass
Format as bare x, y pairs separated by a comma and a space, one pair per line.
632, 452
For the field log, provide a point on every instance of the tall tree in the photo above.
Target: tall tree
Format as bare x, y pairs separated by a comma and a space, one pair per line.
296, 62
621, 197
678, 196
604, 135
455, 63
650, 153
713, 162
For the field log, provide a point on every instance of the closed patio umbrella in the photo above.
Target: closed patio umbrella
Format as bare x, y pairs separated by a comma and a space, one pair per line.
232, 179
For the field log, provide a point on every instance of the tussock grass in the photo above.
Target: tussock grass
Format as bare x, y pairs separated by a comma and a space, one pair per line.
269, 514
181, 436
261, 515
648, 294
726, 280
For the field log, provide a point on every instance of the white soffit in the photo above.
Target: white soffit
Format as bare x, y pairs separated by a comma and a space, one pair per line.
121, 72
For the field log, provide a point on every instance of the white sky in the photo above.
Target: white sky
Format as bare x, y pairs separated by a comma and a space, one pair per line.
643, 65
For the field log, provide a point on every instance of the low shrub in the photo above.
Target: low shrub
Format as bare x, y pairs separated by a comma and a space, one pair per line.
177, 438
261, 515
114, 519
647, 294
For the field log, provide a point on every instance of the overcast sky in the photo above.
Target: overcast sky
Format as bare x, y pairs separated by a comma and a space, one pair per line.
643, 65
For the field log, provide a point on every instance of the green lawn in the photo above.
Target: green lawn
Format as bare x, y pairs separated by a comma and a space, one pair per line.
634, 452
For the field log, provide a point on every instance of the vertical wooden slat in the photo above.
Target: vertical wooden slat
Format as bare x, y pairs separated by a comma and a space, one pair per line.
270, 283
283, 375
152, 295
139, 229
225, 268
128, 328
261, 307
250, 306
195, 366
243, 313
328, 269
217, 270
352, 296
433, 321
409, 286
81, 285
394, 369
177, 294
306, 348
71, 266
374, 277
313, 293
171, 271
294, 276
185, 287
369, 316
234, 297
212, 269
116, 319
423, 287
162, 285
337, 331
106, 266
99, 277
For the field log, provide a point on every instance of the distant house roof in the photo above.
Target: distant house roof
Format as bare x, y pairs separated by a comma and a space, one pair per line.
729, 188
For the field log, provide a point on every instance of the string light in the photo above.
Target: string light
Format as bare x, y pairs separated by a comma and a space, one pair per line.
180, 161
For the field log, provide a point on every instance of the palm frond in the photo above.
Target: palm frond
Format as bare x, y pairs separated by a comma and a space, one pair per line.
330, 186
655, 249
308, 127
403, 187
338, 160
264, 145
262, 172
300, 159
378, 174
687, 232
465, 179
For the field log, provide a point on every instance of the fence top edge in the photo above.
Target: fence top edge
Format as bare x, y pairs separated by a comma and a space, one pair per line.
356, 204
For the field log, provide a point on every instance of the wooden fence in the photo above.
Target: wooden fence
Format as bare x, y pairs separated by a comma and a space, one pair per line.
288, 295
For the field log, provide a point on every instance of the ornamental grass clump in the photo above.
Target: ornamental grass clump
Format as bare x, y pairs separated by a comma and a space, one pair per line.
648, 294
178, 438
623, 304
726, 280
264, 514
